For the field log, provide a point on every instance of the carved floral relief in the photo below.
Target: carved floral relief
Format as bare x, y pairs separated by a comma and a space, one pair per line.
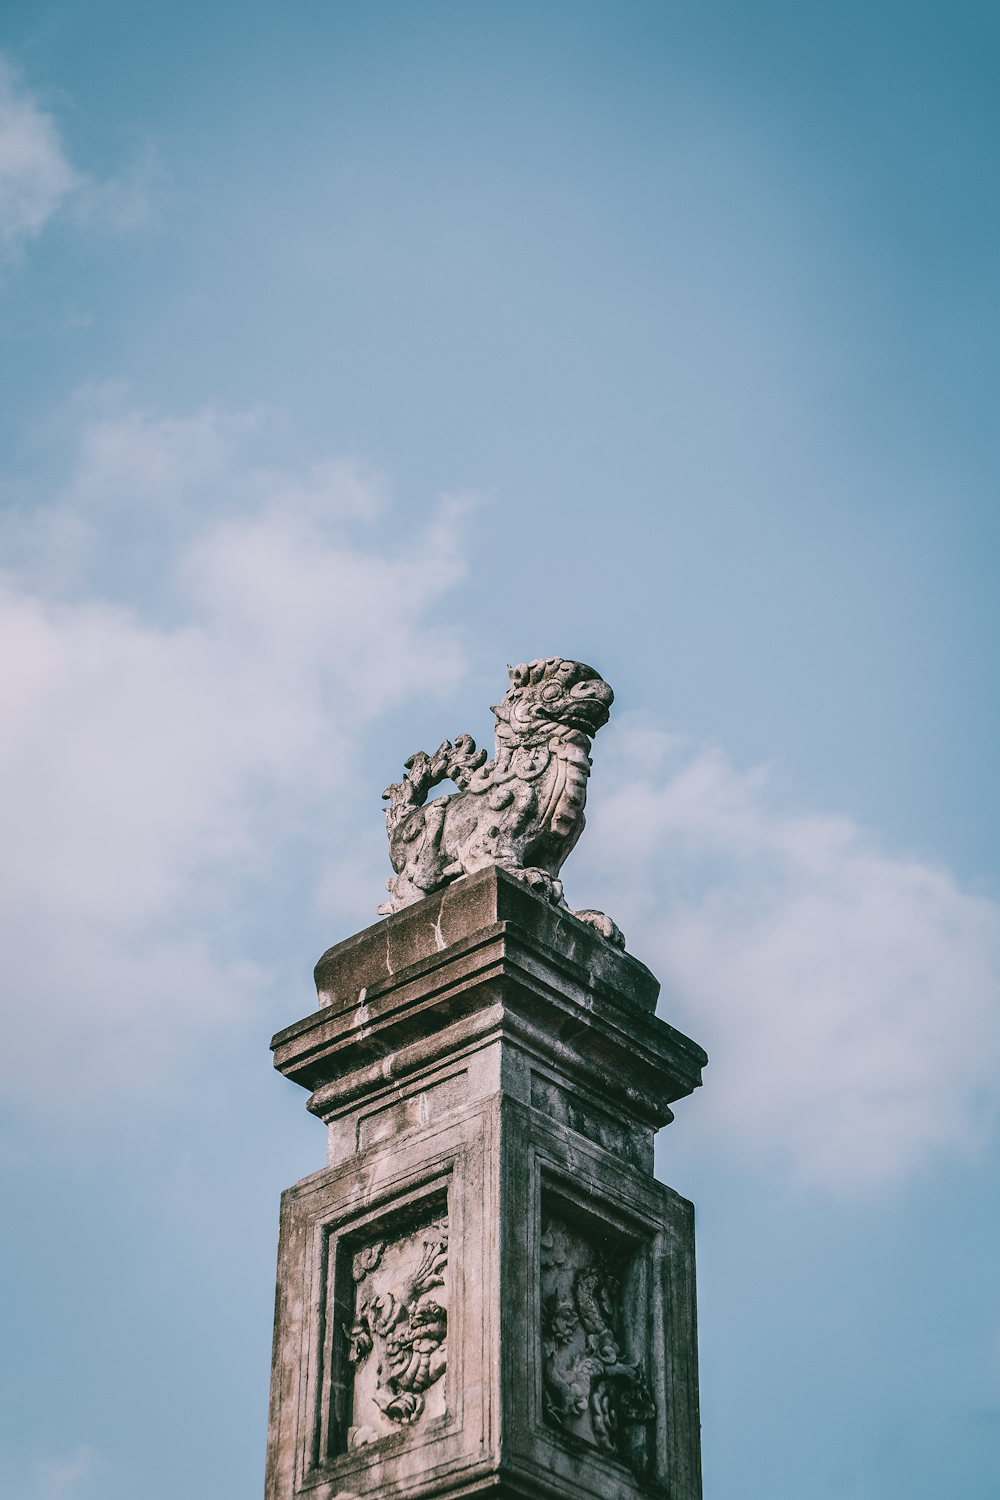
590, 1388
397, 1343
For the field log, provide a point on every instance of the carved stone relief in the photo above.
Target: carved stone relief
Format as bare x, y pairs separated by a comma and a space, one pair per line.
522, 810
590, 1388
397, 1344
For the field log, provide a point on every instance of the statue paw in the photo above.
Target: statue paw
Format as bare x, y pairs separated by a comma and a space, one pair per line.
609, 930
542, 883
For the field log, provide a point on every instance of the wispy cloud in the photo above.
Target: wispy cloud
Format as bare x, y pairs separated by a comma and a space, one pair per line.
849, 998
138, 460
70, 1477
35, 175
38, 178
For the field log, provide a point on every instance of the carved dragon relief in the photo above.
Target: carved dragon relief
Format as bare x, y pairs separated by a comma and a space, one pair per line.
403, 1325
589, 1388
523, 810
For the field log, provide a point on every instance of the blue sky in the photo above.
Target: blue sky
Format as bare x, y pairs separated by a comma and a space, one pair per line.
349, 352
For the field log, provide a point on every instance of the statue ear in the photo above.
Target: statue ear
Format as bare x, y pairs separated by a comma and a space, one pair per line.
510, 671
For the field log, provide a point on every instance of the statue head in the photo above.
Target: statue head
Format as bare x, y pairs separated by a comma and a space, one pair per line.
552, 691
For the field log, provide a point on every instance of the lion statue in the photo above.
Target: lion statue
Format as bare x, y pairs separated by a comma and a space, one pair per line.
522, 810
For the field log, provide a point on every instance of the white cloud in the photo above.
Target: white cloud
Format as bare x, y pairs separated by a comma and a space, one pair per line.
849, 999
35, 175
150, 771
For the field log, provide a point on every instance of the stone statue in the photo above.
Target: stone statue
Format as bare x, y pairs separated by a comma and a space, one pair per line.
522, 810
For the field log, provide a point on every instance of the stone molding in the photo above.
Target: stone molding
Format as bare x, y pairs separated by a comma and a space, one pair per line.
531, 992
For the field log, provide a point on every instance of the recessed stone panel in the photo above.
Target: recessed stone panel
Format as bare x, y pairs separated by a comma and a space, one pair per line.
593, 1336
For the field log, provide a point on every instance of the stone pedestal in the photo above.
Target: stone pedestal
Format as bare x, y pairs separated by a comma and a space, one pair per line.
485, 1289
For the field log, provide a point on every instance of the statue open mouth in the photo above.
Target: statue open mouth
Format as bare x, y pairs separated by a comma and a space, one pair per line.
587, 717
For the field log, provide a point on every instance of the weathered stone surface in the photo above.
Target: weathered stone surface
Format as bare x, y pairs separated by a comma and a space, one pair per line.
509, 1415
523, 810
430, 1009
486, 1290
459, 910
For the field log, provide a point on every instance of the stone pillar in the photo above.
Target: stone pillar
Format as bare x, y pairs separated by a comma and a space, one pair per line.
485, 1289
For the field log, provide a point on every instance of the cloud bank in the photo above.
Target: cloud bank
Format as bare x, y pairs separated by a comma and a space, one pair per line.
163, 781
849, 999
174, 773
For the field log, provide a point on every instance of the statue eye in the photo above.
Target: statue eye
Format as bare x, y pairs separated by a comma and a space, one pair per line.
550, 691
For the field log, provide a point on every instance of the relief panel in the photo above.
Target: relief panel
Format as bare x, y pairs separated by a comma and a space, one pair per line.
592, 1338
397, 1343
